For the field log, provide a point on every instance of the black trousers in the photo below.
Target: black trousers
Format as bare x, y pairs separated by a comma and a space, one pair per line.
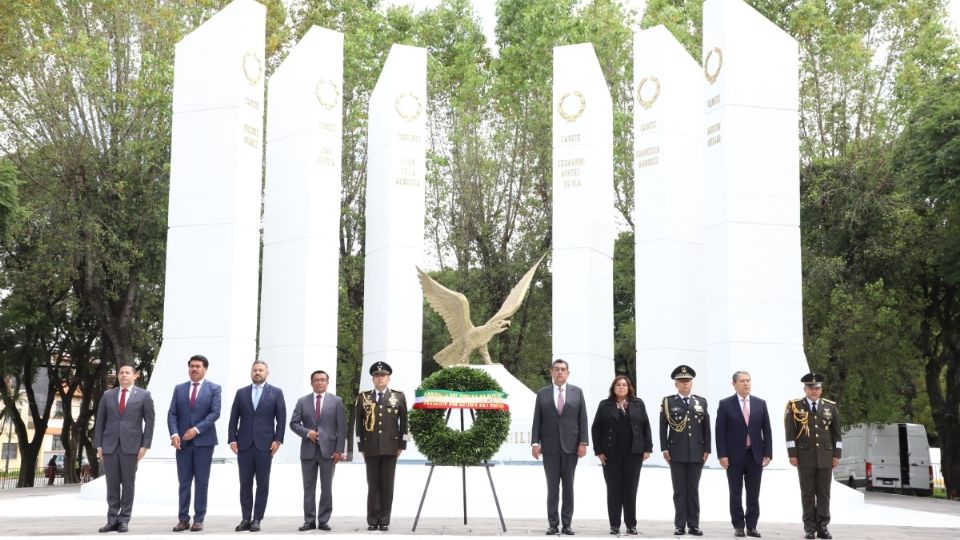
815, 497
686, 493
748, 473
622, 475
253, 463
559, 468
380, 473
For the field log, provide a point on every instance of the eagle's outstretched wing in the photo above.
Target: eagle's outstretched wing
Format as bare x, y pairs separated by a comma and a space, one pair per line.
451, 305
515, 298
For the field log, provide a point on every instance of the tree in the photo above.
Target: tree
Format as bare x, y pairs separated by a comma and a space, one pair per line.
9, 201
927, 159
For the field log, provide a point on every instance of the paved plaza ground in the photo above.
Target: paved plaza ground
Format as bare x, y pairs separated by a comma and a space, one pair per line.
52, 526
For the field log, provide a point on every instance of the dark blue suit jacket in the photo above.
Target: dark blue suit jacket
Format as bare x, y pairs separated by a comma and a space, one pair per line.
731, 432
260, 427
203, 415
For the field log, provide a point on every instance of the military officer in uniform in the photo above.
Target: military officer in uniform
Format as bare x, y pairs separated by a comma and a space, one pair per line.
812, 426
685, 442
381, 425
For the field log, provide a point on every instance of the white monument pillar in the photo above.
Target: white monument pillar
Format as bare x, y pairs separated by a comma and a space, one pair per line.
213, 241
396, 156
583, 226
301, 218
752, 218
668, 190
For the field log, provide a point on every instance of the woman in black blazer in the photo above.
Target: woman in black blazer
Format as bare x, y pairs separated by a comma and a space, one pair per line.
622, 442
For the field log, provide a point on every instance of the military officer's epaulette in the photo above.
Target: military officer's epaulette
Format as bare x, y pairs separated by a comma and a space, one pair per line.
793, 402
828, 401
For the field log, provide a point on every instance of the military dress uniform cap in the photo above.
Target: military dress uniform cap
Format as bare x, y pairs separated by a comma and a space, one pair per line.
683, 372
813, 380
381, 367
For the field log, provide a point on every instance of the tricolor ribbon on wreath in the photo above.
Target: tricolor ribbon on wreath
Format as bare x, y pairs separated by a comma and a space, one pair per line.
488, 400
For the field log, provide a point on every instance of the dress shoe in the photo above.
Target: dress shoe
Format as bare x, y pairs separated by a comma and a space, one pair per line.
567, 530
695, 531
243, 526
323, 526
254, 526
679, 531
632, 530
109, 527
181, 526
809, 535
738, 532
307, 525
824, 533
615, 530
197, 526
384, 528
122, 528
373, 527
753, 533
553, 530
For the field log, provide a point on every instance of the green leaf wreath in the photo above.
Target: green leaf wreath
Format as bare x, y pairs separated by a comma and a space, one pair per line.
446, 446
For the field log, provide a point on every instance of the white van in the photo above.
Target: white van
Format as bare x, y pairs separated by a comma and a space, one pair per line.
886, 457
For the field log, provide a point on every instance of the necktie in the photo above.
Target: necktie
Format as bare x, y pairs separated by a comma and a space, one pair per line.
319, 407
123, 400
560, 401
379, 397
686, 402
193, 395
746, 418
813, 407
256, 397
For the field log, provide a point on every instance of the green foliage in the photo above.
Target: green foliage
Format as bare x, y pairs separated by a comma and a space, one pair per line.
927, 164
624, 307
10, 210
445, 446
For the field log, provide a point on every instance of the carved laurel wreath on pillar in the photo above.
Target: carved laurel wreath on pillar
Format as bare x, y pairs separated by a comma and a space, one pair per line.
447, 446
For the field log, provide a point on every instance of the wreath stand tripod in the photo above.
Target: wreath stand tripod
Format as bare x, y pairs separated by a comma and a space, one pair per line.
463, 474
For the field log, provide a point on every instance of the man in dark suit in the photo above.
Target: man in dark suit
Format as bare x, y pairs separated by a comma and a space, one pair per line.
191, 419
255, 432
123, 433
685, 442
321, 420
560, 435
381, 427
814, 444
744, 447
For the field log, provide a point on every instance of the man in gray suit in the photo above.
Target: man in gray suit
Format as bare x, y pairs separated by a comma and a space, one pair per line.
321, 420
123, 433
560, 435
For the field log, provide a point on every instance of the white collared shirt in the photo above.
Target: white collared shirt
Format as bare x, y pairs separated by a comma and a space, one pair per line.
556, 394
120, 393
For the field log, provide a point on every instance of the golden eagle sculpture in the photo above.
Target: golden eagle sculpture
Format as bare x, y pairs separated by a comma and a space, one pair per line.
455, 310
